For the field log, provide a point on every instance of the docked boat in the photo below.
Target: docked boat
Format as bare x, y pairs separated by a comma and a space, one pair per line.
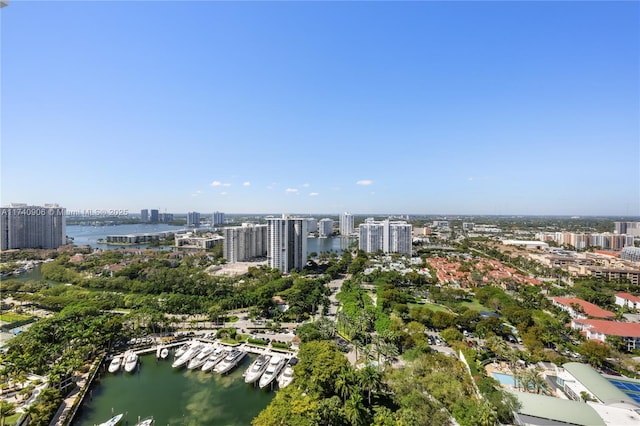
286, 377
113, 421
182, 349
270, 374
130, 361
256, 368
186, 357
115, 364
198, 360
164, 353
230, 361
159, 351
214, 358
145, 422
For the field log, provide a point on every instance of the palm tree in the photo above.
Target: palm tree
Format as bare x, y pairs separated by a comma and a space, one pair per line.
7, 409
487, 414
344, 384
354, 410
370, 380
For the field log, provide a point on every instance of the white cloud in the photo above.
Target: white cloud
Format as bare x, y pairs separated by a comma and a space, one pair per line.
305, 185
313, 194
223, 193
196, 193
246, 183
364, 182
291, 190
216, 183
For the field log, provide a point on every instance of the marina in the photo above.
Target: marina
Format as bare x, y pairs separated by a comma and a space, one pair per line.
180, 396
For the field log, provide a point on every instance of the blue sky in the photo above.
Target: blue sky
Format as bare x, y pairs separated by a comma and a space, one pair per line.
323, 107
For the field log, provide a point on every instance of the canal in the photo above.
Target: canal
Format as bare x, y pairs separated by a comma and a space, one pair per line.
174, 397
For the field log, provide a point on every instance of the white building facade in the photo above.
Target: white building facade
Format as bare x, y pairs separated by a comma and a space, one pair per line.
325, 227
385, 236
23, 226
346, 224
287, 243
246, 242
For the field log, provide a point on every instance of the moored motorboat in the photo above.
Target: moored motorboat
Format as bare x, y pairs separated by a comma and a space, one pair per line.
286, 377
164, 353
230, 361
256, 368
186, 357
113, 421
198, 360
214, 358
130, 361
115, 364
145, 422
182, 349
270, 374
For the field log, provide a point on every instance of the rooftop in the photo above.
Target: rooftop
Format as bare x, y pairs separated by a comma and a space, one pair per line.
611, 328
556, 409
600, 387
587, 307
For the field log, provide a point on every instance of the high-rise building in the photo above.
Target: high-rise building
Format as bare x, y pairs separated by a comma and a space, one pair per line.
166, 217
312, 224
23, 226
287, 237
245, 242
144, 215
193, 219
346, 224
217, 219
630, 228
325, 227
154, 217
385, 236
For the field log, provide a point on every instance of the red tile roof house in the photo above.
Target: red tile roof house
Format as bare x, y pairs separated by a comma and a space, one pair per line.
585, 310
595, 329
628, 300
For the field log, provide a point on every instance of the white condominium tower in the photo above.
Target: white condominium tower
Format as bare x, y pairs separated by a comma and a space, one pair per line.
325, 227
346, 224
23, 226
287, 249
245, 242
385, 236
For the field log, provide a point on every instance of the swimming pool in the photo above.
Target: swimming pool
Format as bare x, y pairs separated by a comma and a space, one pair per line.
505, 379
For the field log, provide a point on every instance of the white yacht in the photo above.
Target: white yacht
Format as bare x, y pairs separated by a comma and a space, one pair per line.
113, 421
115, 364
182, 349
270, 374
214, 358
145, 422
286, 377
164, 353
198, 360
186, 357
130, 361
230, 361
256, 368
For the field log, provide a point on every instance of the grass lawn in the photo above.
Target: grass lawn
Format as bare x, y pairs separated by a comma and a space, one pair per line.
431, 306
13, 317
476, 306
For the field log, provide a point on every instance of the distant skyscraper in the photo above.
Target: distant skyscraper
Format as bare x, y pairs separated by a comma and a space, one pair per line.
631, 228
193, 219
217, 219
287, 248
166, 217
346, 224
154, 217
144, 215
385, 236
312, 224
325, 227
245, 242
23, 226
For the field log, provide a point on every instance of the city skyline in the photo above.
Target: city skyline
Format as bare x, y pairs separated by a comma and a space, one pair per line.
432, 108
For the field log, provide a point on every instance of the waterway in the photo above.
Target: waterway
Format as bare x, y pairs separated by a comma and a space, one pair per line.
174, 397
89, 235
